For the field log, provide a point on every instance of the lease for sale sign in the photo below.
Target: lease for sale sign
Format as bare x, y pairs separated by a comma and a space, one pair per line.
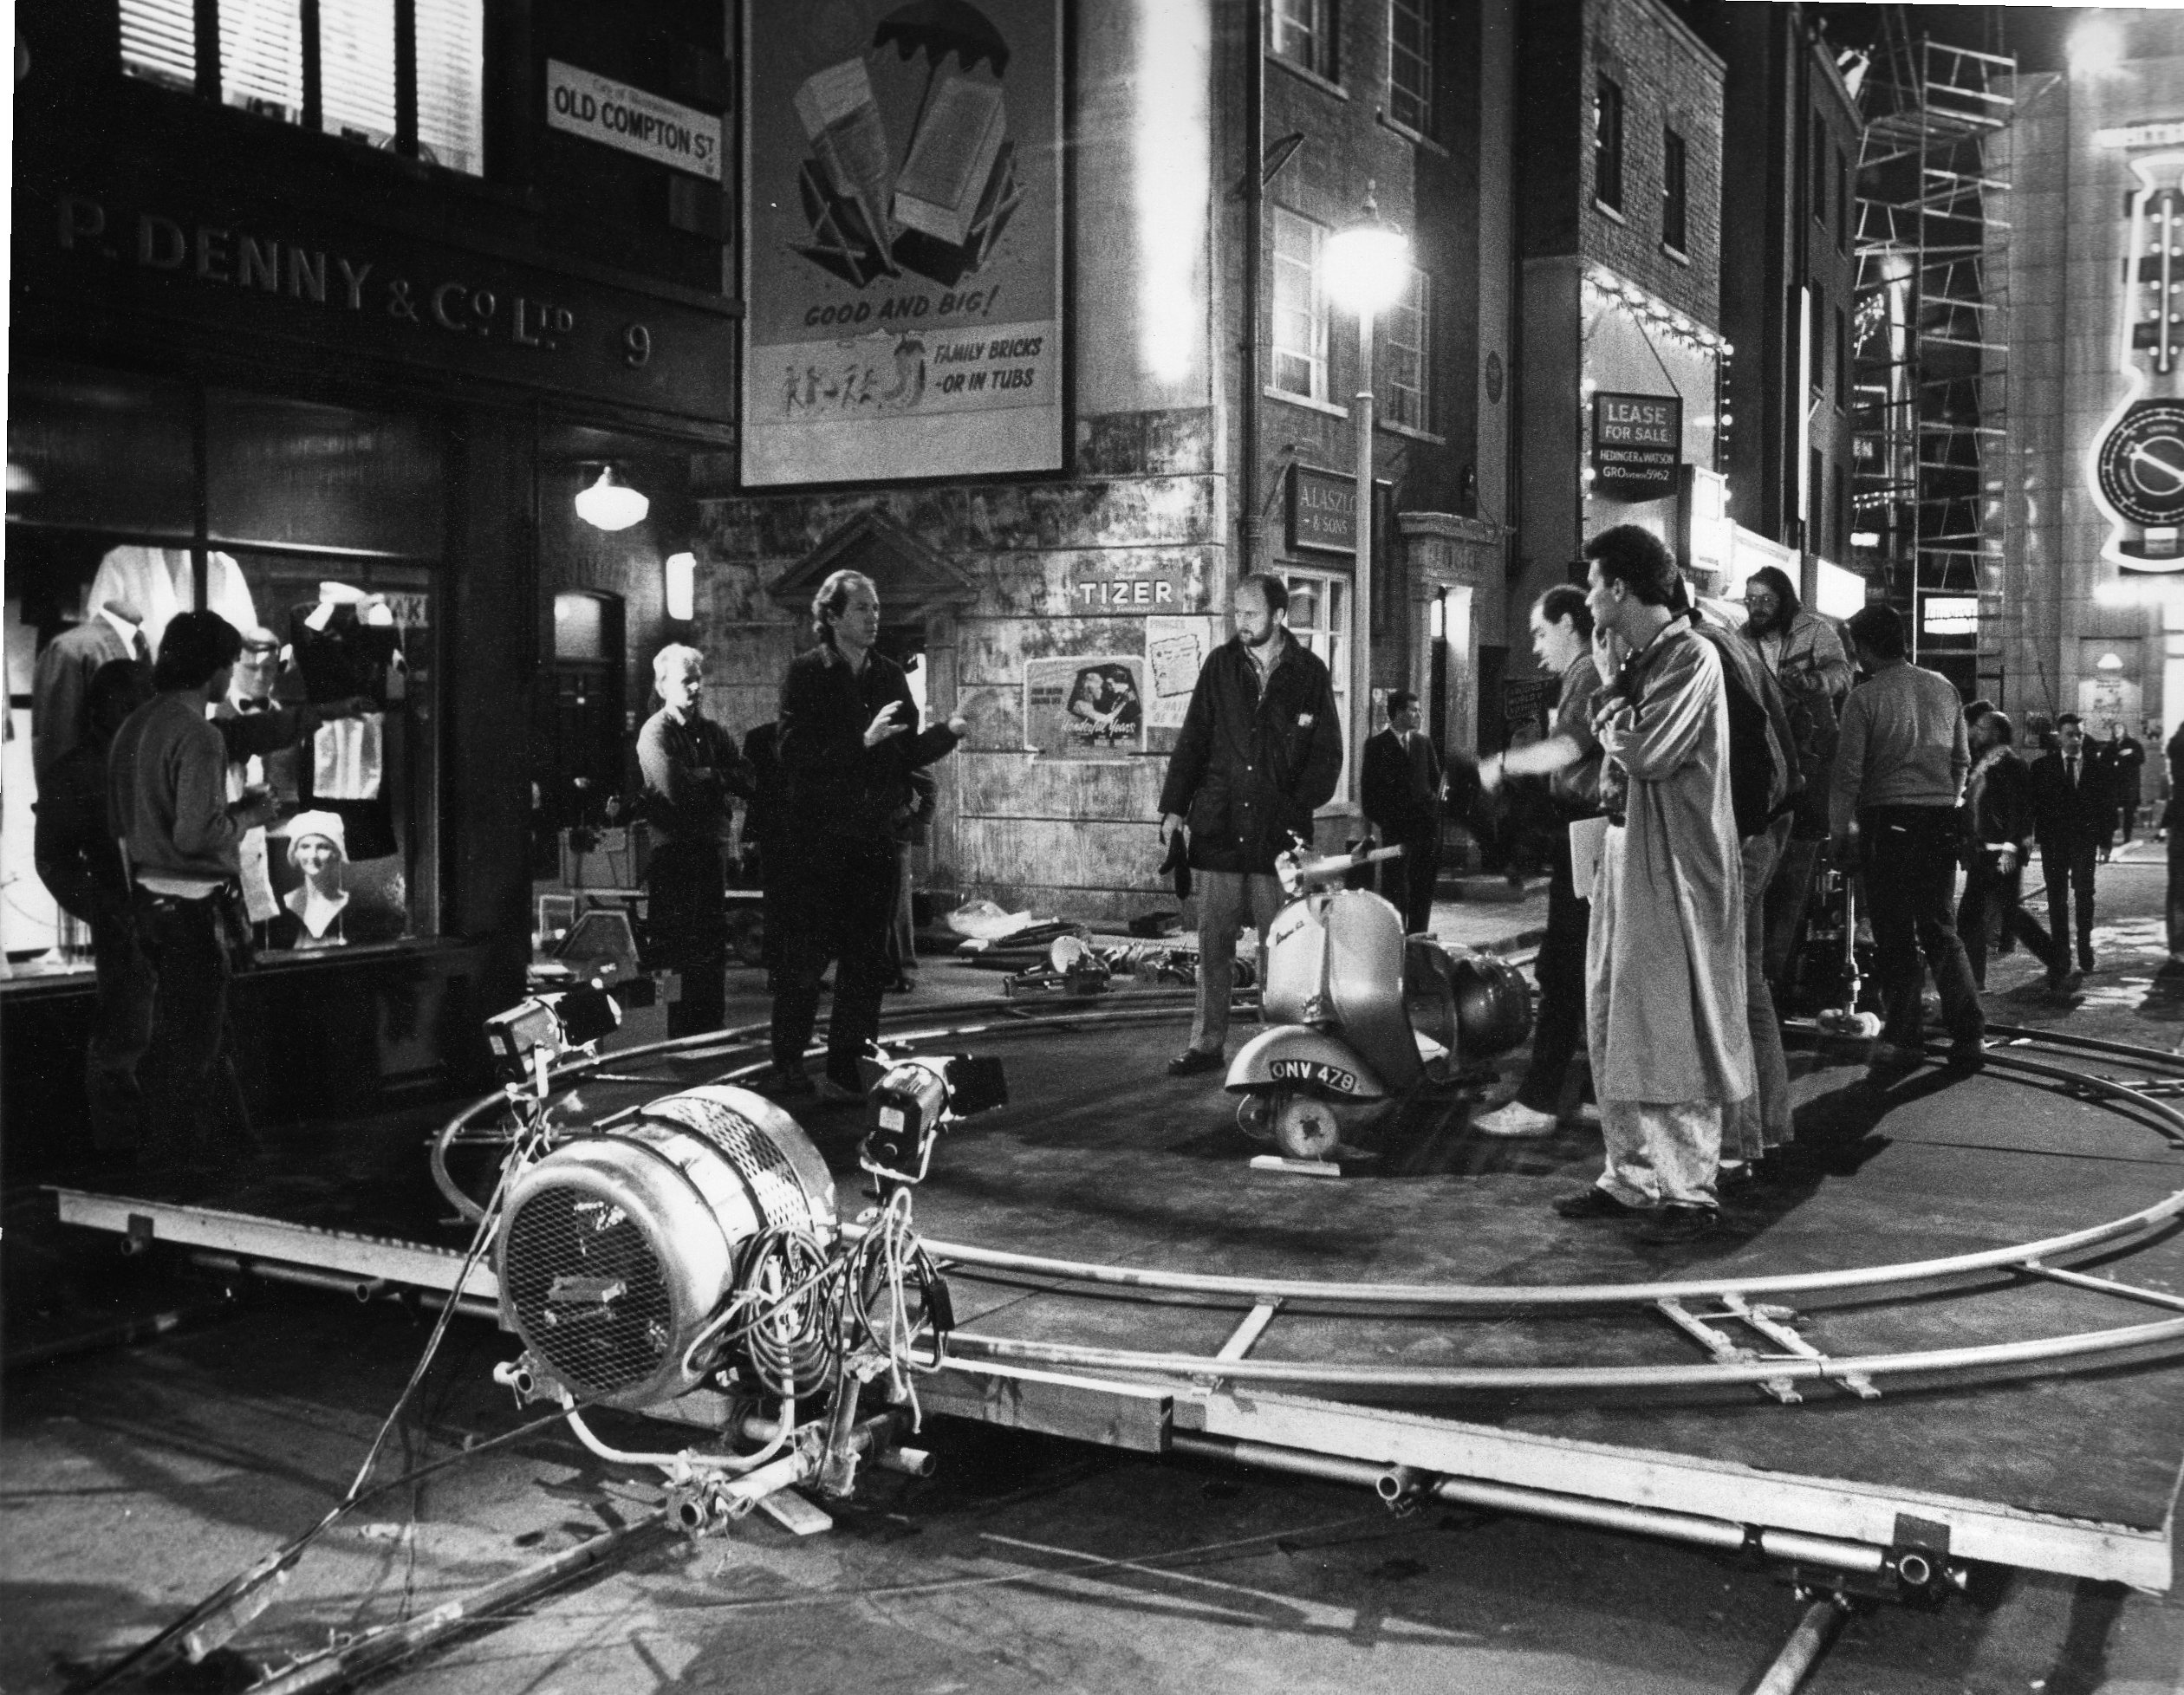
1637, 444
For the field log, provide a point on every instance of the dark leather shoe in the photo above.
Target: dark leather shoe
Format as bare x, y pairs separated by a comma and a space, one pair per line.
1192, 1061
1593, 1203
1968, 1055
1676, 1222
785, 1085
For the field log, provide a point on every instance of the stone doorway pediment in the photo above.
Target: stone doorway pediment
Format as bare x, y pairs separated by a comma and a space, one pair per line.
914, 579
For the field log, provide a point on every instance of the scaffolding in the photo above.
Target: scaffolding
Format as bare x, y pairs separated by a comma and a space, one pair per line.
1931, 359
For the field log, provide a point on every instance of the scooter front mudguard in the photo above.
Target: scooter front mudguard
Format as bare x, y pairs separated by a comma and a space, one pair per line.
1297, 1056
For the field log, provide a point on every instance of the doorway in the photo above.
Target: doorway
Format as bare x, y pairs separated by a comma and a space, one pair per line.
580, 730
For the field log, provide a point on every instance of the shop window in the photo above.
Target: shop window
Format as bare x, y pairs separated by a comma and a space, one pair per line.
1300, 307
1674, 206
287, 474
1319, 618
1410, 64
1303, 32
101, 525
1407, 347
1608, 143
344, 628
342, 66
94, 450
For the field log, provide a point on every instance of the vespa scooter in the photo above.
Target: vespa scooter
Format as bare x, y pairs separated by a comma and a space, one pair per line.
1360, 1015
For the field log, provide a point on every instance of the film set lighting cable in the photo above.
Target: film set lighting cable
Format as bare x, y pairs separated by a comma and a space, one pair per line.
529, 1038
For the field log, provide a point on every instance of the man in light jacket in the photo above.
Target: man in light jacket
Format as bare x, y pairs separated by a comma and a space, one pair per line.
1665, 959
1898, 776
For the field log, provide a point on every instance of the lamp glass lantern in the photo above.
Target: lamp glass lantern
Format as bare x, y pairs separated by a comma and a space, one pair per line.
1366, 264
611, 503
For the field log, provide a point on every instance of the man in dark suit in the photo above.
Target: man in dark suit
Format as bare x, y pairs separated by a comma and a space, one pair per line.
2126, 756
1997, 839
2073, 811
1402, 795
63, 678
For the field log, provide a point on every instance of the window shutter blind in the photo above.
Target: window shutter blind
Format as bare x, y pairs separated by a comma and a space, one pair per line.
356, 67
262, 57
450, 70
158, 41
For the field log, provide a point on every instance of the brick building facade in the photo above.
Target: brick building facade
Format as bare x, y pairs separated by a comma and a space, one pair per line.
1618, 232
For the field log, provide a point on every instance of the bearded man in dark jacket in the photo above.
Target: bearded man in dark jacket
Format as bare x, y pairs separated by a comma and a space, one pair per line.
1260, 749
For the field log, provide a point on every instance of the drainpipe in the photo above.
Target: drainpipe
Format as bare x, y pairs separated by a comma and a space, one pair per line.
1250, 518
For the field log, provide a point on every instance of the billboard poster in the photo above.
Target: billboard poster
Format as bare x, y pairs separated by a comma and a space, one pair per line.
902, 201
1091, 707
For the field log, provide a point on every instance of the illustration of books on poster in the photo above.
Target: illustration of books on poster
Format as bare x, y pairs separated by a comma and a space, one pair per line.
956, 188
846, 183
941, 214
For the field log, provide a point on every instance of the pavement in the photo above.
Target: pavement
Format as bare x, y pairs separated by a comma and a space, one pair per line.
134, 1479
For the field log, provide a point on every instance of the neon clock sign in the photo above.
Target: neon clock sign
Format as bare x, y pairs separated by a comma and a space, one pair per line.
2136, 466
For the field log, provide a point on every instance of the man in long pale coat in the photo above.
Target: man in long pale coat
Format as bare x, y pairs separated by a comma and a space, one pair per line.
1665, 958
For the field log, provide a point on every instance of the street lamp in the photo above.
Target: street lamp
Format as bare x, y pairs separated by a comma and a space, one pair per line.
1366, 267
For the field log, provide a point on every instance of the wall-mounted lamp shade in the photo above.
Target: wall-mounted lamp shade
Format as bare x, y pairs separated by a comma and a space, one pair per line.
1366, 264
611, 503
2108, 662
682, 586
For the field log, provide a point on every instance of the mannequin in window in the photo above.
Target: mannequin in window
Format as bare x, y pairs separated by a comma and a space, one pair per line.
115, 631
346, 646
318, 848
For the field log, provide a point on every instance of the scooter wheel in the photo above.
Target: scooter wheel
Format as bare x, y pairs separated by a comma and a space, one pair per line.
1304, 1128
1254, 1117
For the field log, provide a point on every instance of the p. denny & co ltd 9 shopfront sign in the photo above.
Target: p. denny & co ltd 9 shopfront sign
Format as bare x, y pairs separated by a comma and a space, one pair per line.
261, 275
1637, 445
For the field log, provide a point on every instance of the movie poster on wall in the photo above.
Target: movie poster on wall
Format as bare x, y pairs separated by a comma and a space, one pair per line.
1090, 707
902, 196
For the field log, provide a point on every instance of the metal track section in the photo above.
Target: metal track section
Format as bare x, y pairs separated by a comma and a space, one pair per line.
1246, 1403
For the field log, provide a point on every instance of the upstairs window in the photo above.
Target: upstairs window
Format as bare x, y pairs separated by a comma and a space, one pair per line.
1406, 355
1608, 143
1300, 307
1303, 32
407, 78
1674, 205
1410, 64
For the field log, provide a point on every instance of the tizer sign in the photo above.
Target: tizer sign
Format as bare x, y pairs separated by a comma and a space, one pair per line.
1313, 1071
1637, 445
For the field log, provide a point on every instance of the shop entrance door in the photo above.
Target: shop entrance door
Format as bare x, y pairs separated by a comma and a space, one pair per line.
580, 729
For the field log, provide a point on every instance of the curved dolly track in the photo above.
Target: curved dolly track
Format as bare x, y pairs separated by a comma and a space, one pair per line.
2036, 1258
